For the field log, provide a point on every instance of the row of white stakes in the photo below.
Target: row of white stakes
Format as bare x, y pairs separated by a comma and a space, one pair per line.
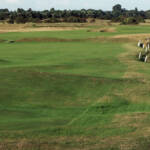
146, 49
140, 54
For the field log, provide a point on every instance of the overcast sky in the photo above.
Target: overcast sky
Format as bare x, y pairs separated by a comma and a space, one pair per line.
74, 4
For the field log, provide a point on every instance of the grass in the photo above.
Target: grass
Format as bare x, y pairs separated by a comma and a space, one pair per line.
133, 29
73, 94
75, 34
72, 57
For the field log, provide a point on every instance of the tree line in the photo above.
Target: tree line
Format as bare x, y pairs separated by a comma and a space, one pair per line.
118, 14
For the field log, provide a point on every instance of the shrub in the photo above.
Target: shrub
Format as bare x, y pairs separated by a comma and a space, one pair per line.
37, 20
129, 20
21, 19
132, 20
92, 20
75, 20
10, 21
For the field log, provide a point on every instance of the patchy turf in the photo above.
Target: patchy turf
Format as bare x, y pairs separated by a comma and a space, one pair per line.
74, 90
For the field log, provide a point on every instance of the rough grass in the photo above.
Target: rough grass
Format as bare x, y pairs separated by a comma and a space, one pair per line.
73, 94
121, 34
33, 27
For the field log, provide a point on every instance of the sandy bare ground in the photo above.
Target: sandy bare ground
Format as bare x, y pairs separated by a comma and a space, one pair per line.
29, 27
132, 37
37, 29
122, 38
34, 27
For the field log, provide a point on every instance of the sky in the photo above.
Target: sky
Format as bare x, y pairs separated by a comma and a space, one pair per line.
74, 4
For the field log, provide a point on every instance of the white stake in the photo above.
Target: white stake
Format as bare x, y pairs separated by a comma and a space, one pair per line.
148, 46
139, 43
146, 49
146, 58
140, 55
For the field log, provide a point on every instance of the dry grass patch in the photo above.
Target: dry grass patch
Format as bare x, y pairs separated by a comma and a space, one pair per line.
132, 37
107, 29
105, 99
4, 28
113, 29
134, 119
66, 143
128, 38
32, 27
49, 40
138, 93
141, 90
129, 58
111, 39
38, 29
54, 143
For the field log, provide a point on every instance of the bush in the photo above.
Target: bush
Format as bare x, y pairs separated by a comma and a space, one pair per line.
132, 20
36, 20
140, 19
21, 19
129, 20
117, 19
92, 20
11, 21
52, 20
75, 20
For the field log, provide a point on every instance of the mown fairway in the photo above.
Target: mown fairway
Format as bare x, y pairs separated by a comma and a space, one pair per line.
74, 90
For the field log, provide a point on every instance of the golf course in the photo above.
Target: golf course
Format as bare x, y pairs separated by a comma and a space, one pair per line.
75, 88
